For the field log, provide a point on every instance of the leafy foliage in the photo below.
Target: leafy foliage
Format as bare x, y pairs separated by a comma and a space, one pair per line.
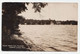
10, 18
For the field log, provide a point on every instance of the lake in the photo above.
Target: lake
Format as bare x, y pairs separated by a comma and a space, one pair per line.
52, 37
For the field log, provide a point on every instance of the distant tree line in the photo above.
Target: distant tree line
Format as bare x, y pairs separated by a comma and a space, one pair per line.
47, 22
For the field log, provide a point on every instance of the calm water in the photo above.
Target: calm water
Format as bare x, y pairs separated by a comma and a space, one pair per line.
52, 37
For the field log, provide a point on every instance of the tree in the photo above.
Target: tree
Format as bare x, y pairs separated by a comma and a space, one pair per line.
10, 18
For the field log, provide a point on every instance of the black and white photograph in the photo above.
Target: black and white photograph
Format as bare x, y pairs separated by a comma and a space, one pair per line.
40, 26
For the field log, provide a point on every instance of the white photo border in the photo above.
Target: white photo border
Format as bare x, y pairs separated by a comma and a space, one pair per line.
35, 52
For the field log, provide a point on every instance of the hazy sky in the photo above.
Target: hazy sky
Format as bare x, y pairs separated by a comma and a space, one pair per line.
57, 11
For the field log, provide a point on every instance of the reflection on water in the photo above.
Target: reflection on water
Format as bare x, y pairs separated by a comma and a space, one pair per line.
52, 37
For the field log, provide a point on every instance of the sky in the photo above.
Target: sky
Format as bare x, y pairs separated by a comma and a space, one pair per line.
54, 11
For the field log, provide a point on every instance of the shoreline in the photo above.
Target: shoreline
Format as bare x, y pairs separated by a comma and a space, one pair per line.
18, 43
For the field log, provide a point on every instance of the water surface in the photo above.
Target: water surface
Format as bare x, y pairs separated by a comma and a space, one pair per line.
52, 37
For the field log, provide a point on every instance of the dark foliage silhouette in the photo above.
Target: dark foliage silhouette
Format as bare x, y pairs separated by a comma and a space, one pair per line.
10, 18
11, 21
